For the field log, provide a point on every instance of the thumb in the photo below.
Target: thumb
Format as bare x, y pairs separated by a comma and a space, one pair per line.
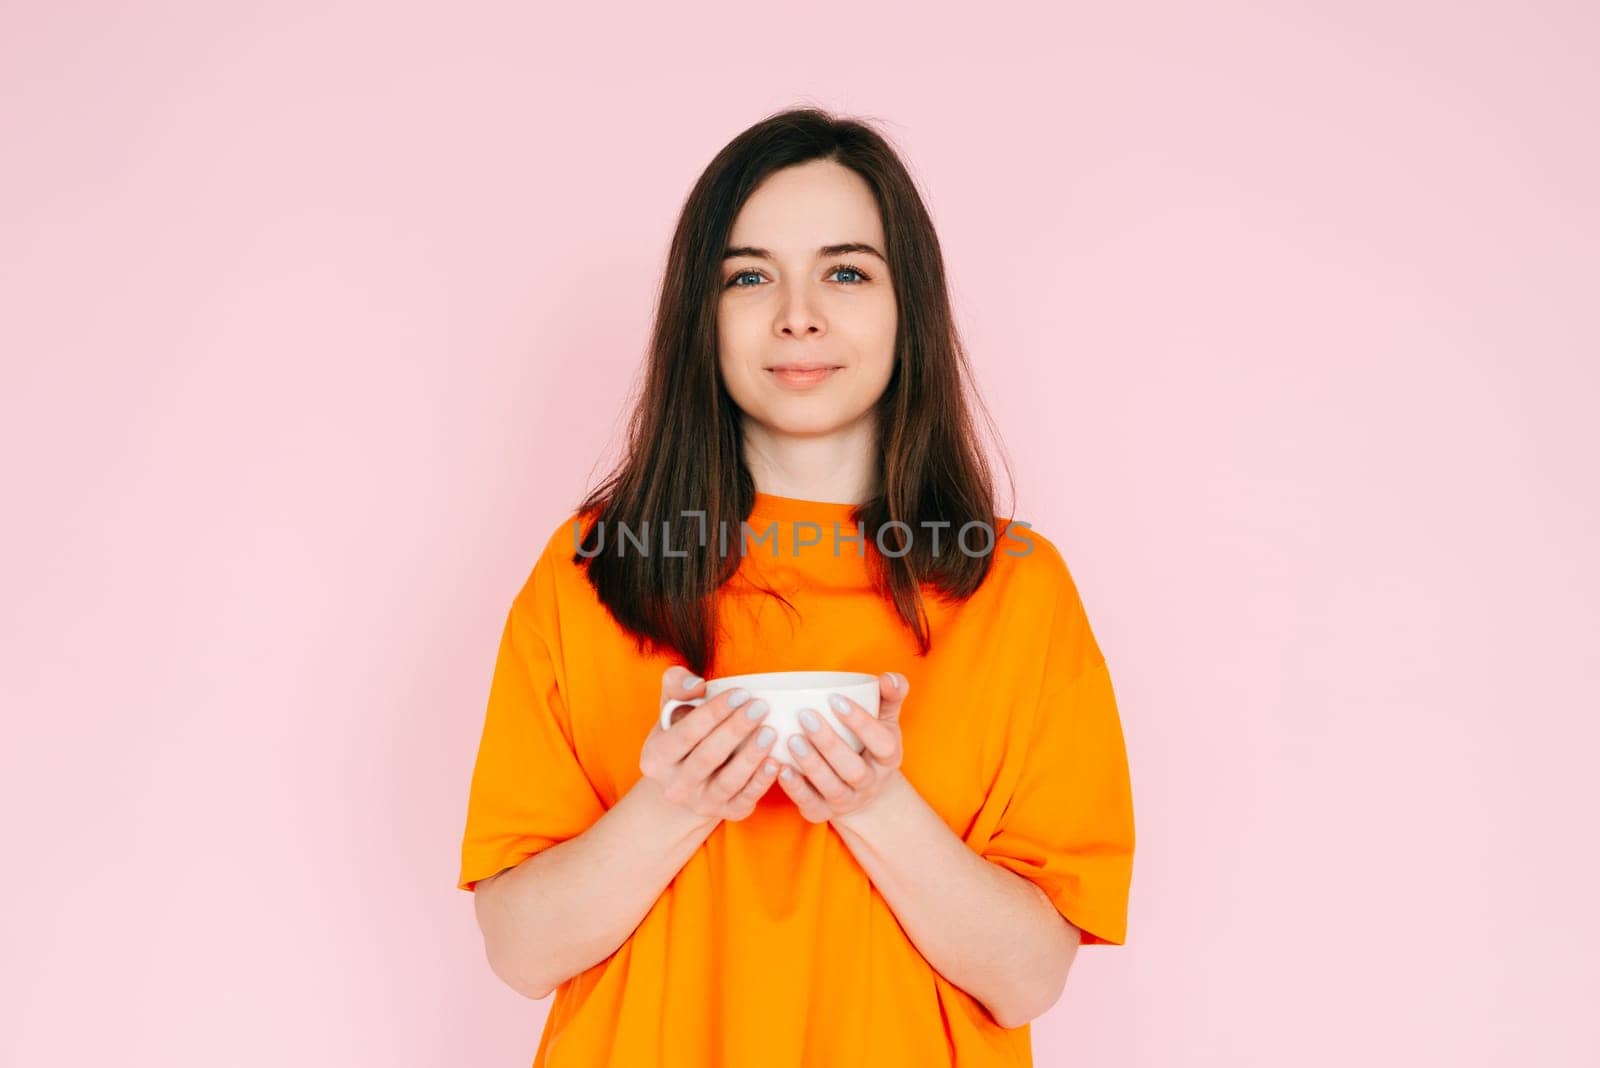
892, 690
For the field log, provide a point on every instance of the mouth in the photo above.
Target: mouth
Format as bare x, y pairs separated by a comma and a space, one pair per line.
800, 375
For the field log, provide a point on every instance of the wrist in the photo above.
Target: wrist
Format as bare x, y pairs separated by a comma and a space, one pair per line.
674, 820
893, 794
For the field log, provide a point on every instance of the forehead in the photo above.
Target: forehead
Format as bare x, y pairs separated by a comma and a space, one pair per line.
798, 209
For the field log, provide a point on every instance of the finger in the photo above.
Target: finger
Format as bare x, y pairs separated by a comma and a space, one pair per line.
695, 726
679, 681
760, 782
881, 741
892, 690
817, 771
736, 774
845, 761
736, 722
807, 800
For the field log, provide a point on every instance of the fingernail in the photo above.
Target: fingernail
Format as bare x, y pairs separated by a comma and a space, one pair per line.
839, 703
691, 681
787, 773
764, 736
899, 680
809, 720
757, 709
798, 744
738, 696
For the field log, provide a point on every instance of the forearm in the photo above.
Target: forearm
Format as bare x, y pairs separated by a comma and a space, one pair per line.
985, 929
570, 906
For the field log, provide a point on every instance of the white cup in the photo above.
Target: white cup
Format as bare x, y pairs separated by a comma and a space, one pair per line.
786, 693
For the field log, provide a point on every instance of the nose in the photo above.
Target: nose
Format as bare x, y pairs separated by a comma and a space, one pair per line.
798, 315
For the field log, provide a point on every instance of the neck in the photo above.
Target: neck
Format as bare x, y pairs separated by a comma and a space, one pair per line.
840, 466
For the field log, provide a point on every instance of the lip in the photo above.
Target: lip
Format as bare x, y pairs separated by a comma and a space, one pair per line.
801, 376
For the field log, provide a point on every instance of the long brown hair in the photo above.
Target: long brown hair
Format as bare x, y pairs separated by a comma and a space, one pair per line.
683, 453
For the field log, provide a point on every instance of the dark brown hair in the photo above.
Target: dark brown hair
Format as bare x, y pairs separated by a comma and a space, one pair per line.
683, 450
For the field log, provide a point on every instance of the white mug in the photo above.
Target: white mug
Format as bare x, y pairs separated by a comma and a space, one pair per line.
786, 693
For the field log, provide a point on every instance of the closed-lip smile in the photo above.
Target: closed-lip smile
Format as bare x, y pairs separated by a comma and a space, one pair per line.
802, 375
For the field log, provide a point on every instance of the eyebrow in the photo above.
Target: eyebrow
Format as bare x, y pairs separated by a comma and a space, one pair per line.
823, 252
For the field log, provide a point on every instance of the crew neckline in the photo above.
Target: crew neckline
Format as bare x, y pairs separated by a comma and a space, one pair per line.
774, 506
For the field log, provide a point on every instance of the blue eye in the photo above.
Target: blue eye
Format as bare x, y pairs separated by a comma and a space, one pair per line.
861, 276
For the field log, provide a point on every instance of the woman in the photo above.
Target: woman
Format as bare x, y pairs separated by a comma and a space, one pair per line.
916, 903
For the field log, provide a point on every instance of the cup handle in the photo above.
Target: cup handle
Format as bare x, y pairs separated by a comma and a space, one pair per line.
672, 705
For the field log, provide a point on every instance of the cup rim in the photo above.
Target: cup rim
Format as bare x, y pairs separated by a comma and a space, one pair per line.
821, 679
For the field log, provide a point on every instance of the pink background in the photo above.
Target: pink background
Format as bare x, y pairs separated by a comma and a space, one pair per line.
317, 317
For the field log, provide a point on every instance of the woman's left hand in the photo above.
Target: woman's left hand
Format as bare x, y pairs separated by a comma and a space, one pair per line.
833, 779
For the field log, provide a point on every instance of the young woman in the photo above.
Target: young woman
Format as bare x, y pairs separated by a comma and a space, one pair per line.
914, 903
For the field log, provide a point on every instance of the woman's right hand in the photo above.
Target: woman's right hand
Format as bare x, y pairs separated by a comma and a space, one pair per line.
713, 761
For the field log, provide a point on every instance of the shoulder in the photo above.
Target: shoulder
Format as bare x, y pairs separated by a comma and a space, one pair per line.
555, 568
1035, 582
562, 542
1028, 559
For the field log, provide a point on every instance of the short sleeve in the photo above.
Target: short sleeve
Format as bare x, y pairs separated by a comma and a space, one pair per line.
528, 790
1068, 825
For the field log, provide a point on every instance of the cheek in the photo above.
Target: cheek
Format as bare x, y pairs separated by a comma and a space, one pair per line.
733, 347
734, 379
878, 347
739, 336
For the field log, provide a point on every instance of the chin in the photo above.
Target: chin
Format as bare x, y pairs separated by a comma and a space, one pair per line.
797, 422
810, 428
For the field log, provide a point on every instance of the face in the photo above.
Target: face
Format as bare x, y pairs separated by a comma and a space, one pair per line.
806, 318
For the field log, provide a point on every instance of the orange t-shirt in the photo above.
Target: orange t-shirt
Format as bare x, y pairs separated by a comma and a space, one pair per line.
771, 948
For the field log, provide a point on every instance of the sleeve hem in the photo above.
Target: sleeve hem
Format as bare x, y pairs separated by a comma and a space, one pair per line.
478, 866
1098, 925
